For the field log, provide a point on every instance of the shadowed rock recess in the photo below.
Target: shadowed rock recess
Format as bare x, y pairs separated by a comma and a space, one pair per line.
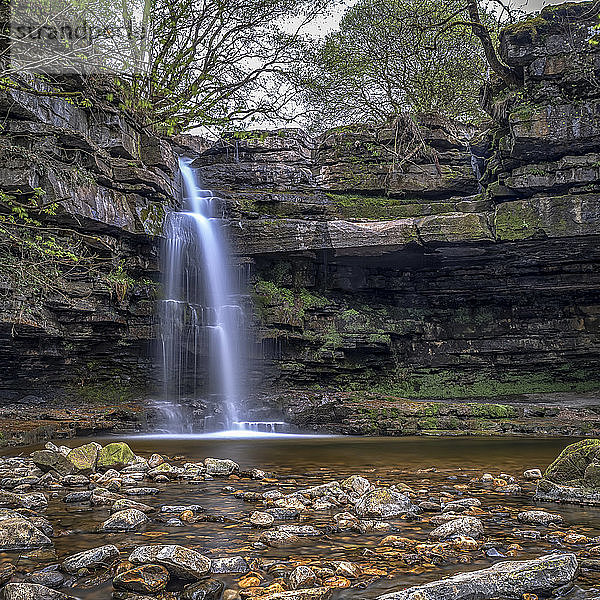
469, 271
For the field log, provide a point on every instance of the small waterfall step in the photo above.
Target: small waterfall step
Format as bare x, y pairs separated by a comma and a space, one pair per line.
263, 426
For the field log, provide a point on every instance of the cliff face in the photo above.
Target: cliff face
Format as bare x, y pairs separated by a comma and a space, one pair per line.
420, 259
403, 276
78, 281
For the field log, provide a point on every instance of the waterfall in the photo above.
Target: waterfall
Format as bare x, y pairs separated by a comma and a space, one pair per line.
201, 317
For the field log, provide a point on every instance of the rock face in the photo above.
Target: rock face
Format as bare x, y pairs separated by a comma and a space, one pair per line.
414, 282
509, 579
574, 476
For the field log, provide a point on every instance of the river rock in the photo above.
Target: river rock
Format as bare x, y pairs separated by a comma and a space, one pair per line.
229, 564
84, 496
461, 527
155, 460
91, 559
283, 514
261, 519
461, 505
115, 456
49, 578
125, 503
83, 458
31, 591
125, 520
148, 579
279, 539
357, 484
532, 474
180, 561
179, 508
220, 467
211, 589
20, 534
34, 501
383, 502
510, 579
75, 480
103, 497
320, 593
302, 577
48, 460
574, 476
538, 517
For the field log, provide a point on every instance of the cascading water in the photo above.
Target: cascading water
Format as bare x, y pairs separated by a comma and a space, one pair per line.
201, 317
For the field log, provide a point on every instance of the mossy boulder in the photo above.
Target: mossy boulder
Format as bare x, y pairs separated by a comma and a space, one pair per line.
115, 456
84, 458
572, 464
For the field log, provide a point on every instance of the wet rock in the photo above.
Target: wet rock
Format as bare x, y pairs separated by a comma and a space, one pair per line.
31, 591
538, 517
83, 458
429, 506
211, 589
33, 501
300, 530
141, 491
220, 467
164, 469
302, 577
20, 534
75, 480
125, 503
73, 497
115, 456
180, 561
148, 579
155, 460
461, 505
463, 526
102, 556
47, 460
383, 502
510, 579
103, 497
125, 520
230, 564
320, 593
49, 578
532, 474
179, 508
279, 539
357, 484
261, 519
348, 570
283, 514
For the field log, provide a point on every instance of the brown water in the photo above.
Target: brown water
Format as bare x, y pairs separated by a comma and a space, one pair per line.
301, 462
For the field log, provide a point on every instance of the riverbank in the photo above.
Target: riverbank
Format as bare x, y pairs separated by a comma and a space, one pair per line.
332, 413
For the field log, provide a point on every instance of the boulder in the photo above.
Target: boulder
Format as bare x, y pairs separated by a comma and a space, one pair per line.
31, 591
574, 476
83, 458
48, 460
230, 564
357, 484
532, 474
147, 579
115, 456
320, 593
538, 517
510, 579
220, 467
18, 533
125, 503
279, 539
383, 502
261, 519
90, 559
210, 589
302, 577
180, 562
34, 501
461, 527
125, 520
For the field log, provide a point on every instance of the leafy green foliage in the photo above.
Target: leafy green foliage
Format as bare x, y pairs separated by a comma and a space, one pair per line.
389, 57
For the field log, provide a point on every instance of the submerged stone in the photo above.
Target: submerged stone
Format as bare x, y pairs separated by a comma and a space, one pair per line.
148, 579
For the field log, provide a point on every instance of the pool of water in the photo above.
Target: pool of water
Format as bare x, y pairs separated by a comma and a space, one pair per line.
435, 464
